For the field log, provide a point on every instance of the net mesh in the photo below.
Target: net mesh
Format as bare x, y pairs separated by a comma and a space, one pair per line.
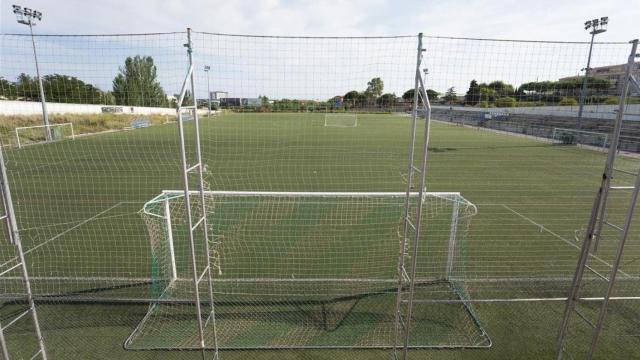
78, 201
308, 270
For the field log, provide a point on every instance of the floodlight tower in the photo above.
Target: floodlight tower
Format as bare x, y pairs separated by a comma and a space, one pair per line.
28, 17
206, 70
595, 27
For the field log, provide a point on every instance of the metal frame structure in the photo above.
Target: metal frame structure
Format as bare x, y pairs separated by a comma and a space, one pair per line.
31, 16
405, 294
14, 238
597, 221
201, 223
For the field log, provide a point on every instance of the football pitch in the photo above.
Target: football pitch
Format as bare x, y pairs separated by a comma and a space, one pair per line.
78, 205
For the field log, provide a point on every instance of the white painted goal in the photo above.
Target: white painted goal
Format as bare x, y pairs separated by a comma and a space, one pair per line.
341, 120
29, 135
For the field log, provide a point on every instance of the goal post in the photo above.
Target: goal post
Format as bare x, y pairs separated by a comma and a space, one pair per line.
581, 137
341, 120
323, 262
30, 135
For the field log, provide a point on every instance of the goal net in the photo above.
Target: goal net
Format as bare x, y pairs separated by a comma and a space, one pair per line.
323, 265
29, 135
341, 120
574, 136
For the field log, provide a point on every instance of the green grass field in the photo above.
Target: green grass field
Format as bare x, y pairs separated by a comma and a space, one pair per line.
78, 205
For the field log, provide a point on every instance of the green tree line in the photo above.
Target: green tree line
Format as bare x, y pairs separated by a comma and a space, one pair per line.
136, 84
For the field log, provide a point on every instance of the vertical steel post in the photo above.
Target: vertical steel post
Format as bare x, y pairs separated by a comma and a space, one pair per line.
453, 232
418, 221
584, 82
14, 237
615, 141
203, 207
187, 203
595, 224
45, 115
630, 210
407, 201
172, 254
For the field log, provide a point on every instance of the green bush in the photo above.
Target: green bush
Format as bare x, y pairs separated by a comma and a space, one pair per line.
611, 101
505, 102
568, 101
483, 104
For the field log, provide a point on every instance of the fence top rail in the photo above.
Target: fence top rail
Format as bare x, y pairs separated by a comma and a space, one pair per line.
324, 37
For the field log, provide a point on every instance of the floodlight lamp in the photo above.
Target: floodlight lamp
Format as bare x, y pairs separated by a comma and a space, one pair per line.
17, 9
587, 25
27, 12
37, 15
207, 68
604, 20
595, 22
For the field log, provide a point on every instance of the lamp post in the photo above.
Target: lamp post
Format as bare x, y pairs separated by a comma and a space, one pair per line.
206, 69
28, 17
595, 26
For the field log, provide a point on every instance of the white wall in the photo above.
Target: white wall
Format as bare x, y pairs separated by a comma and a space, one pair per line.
10, 107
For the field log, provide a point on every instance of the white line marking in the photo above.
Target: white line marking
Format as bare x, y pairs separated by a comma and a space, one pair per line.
562, 238
64, 232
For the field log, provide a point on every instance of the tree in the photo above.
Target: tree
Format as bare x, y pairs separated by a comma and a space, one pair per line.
472, 96
69, 89
374, 87
387, 99
27, 87
431, 94
137, 83
450, 96
506, 101
8, 89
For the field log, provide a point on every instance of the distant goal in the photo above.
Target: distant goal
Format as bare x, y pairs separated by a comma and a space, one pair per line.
30, 135
582, 137
340, 120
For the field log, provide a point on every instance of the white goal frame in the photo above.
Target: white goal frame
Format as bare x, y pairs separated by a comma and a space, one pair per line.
558, 131
329, 116
45, 128
167, 195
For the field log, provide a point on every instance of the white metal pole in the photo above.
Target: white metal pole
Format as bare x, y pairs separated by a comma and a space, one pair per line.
452, 237
172, 254
208, 95
45, 116
14, 237
584, 82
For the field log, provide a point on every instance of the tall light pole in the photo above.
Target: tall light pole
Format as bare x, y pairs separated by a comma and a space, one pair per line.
28, 17
206, 69
595, 26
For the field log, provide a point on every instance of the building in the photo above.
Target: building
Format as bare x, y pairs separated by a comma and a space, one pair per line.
613, 73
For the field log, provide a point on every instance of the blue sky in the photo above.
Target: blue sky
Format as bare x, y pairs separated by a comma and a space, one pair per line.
247, 72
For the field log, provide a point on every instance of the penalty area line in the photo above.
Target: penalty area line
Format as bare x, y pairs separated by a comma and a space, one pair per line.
65, 232
542, 227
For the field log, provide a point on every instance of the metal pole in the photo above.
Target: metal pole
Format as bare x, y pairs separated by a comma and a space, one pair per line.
172, 254
208, 95
629, 216
414, 116
45, 116
14, 237
584, 83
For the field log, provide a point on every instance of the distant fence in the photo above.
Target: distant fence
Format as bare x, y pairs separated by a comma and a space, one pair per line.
542, 123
